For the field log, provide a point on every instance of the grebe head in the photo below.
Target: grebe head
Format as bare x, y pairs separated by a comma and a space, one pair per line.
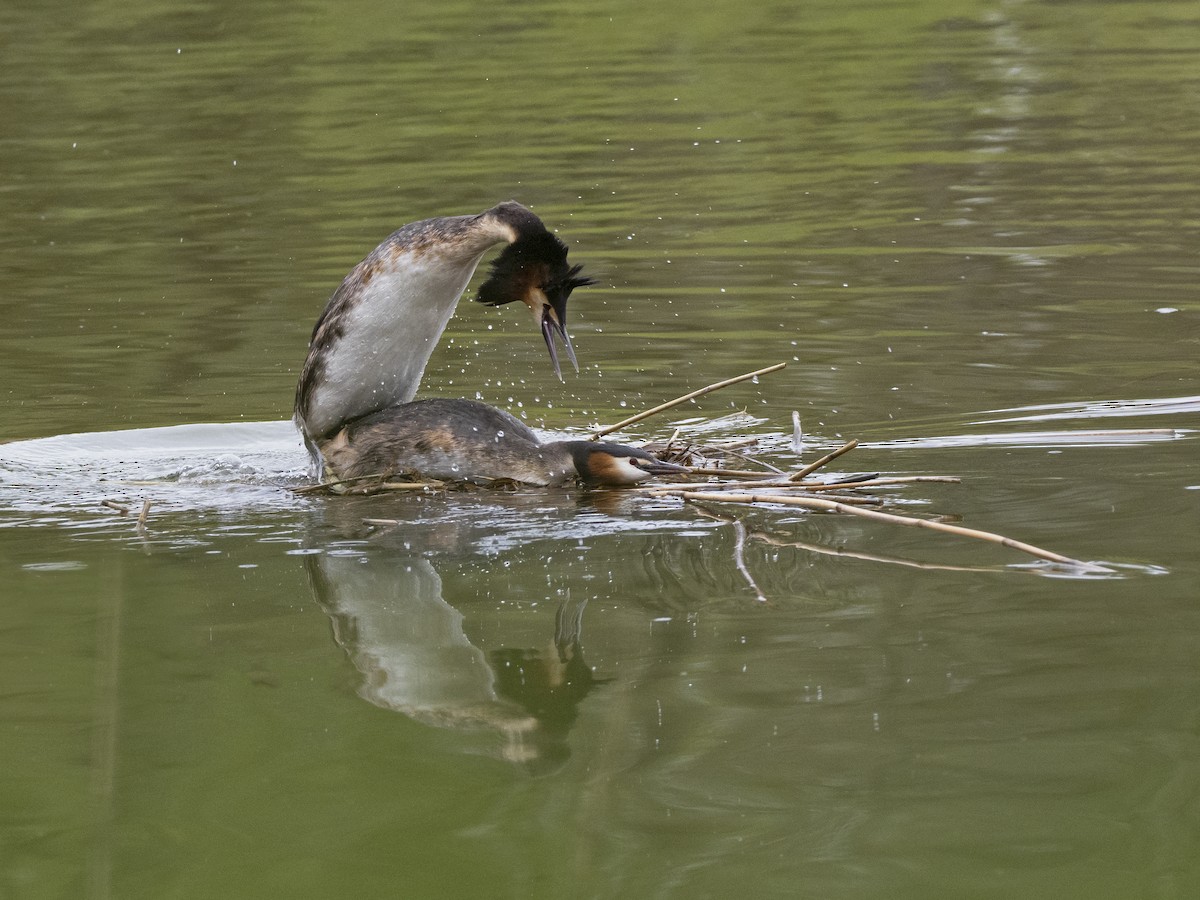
533, 269
602, 463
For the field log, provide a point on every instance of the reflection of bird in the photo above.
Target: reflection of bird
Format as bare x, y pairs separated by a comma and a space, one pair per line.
372, 342
392, 619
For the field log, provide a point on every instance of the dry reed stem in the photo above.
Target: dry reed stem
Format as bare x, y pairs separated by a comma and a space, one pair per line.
750, 459
739, 560
330, 485
855, 499
762, 480
731, 444
368, 490
729, 473
891, 518
827, 458
819, 486
874, 482
774, 541
662, 407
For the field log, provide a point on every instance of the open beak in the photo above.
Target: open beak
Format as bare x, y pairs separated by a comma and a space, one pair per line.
533, 269
551, 326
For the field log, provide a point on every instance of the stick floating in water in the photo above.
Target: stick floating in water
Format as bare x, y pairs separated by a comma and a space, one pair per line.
662, 407
891, 518
827, 458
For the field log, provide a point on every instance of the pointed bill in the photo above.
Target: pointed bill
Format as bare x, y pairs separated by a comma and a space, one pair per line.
548, 330
552, 325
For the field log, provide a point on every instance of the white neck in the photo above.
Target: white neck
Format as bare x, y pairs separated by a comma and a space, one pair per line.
385, 320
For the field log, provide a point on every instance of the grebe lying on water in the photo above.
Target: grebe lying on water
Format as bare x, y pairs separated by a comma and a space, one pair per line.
354, 401
464, 440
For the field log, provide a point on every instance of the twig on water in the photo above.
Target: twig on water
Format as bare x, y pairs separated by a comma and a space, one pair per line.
839, 551
143, 515
334, 485
356, 486
739, 560
819, 487
662, 407
751, 459
729, 444
113, 504
824, 460
401, 486
765, 480
729, 473
891, 518
855, 499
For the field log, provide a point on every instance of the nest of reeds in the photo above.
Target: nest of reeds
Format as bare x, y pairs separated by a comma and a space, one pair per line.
727, 473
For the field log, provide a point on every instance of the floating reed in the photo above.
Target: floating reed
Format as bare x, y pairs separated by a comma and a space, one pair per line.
143, 515
890, 518
662, 407
824, 460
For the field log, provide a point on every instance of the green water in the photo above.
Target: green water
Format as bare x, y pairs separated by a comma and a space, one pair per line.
931, 210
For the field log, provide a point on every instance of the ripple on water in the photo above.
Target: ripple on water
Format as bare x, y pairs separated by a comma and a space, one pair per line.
227, 467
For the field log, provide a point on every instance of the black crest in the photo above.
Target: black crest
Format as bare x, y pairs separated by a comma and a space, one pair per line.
537, 259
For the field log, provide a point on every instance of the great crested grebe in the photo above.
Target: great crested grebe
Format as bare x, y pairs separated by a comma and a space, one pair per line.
354, 401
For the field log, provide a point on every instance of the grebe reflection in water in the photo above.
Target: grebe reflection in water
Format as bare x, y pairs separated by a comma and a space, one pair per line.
370, 346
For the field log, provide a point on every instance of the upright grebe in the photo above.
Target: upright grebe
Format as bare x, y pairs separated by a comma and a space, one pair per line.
354, 401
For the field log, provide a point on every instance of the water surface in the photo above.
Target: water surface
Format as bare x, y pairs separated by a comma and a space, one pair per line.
969, 228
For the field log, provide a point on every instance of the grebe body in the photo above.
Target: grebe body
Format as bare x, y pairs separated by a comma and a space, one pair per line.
369, 348
465, 440
370, 345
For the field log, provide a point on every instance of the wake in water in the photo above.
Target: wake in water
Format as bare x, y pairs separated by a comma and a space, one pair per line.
246, 471
211, 465
217, 477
